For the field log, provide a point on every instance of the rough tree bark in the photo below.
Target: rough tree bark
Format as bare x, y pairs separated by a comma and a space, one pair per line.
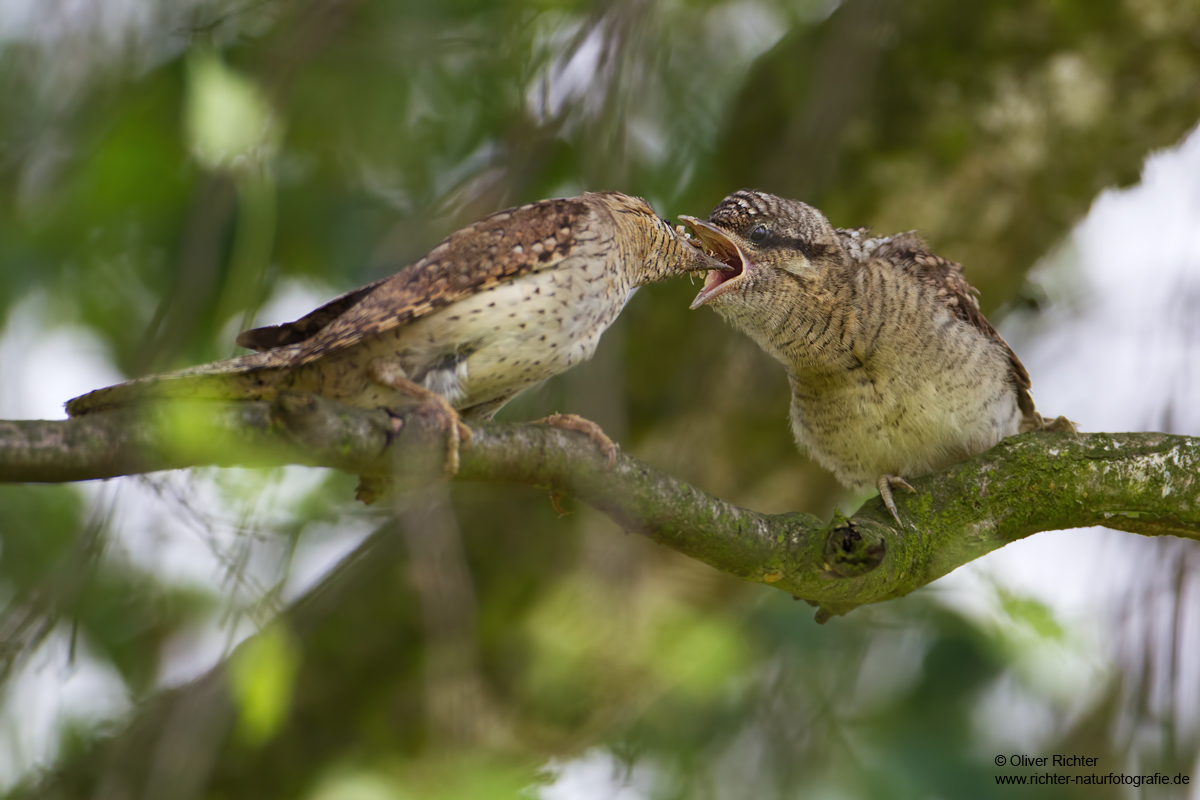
1145, 483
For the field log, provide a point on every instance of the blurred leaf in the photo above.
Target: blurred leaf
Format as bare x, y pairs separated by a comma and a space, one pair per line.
699, 654
228, 121
458, 778
262, 675
1033, 613
360, 786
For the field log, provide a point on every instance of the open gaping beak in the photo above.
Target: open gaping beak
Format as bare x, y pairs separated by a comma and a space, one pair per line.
717, 244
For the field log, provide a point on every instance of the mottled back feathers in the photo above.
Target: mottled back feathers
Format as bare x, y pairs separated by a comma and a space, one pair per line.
498, 248
910, 253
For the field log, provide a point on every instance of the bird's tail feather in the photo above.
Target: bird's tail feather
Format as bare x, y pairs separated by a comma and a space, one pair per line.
252, 377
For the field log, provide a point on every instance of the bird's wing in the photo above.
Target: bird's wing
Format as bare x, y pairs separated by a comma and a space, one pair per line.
945, 278
272, 336
496, 249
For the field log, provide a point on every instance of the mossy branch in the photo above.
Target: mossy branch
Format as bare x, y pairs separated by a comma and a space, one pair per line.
1145, 483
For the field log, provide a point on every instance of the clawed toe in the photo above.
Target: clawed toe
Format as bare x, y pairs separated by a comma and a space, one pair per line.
1036, 422
458, 435
574, 422
372, 488
1059, 424
885, 484
429, 404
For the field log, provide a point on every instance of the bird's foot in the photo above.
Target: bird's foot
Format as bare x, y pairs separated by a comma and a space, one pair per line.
372, 488
430, 404
885, 484
435, 407
574, 422
1035, 422
1059, 425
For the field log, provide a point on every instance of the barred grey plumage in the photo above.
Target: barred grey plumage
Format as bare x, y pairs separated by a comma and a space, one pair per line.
894, 371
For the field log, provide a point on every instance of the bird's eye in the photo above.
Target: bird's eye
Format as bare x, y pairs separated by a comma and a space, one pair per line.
758, 233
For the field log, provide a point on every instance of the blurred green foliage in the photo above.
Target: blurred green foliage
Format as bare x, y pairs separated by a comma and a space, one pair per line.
168, 168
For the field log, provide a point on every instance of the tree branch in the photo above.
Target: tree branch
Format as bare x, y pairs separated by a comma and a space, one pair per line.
1145, 483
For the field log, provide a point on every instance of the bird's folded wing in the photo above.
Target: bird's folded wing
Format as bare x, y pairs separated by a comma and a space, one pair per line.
496, 249
946, 279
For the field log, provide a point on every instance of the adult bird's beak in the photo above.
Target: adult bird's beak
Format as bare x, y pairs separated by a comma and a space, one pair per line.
732, 265
696, 257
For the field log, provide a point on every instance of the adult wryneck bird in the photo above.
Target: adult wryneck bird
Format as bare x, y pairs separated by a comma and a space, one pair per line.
495, 308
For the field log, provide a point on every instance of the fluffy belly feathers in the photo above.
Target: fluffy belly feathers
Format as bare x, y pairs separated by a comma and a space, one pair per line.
861, 424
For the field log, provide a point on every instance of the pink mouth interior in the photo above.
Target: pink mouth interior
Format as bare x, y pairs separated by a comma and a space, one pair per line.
718, 276
725, 252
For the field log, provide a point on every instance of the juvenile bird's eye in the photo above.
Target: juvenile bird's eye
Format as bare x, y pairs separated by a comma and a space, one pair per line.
758, 233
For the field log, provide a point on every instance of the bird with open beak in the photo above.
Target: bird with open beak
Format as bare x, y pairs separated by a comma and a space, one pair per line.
894, 371
497, 307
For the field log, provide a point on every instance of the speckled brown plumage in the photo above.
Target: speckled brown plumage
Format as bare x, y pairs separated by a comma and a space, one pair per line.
494, 308
894, 370
500, 247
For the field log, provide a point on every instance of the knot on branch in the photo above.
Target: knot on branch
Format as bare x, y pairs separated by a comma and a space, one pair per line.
850, 551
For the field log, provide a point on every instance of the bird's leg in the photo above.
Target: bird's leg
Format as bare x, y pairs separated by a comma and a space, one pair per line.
1035, 422
573, 422
1059, 425
885, 484
391, 374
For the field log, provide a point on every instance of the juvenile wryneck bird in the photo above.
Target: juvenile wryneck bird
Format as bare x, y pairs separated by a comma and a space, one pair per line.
894, 371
